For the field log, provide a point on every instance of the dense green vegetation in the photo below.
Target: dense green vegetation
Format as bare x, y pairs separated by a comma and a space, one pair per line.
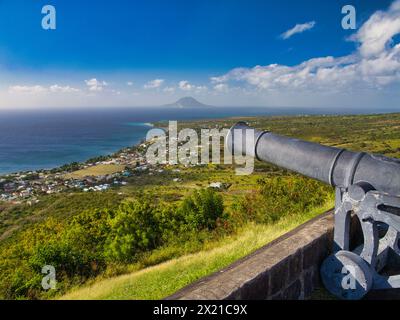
89, 237
102, 241
85, 244
163, 279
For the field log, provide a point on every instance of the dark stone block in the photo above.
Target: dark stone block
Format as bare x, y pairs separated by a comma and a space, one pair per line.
293, 292
279, 275
311, 281
308, 283
256, 289
315, 252
235, 295
295, 266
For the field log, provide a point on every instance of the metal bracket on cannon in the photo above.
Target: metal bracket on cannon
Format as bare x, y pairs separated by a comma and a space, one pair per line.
352, 274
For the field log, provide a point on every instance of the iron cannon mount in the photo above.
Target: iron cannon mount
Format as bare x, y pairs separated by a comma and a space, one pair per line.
367, 187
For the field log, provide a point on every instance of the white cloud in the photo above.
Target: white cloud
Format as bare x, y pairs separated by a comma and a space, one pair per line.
221, 87
187, 86
377, 33
62, 89
153, 84
96, 85
375, 65
18, 89
368, 76
38, 89
298, 28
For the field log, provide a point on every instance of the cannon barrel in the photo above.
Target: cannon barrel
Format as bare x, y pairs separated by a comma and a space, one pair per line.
337, 167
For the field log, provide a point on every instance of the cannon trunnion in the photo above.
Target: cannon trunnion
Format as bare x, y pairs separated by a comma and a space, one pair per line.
367, 186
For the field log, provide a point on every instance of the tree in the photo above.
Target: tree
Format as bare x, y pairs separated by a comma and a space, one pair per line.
134, 229
202, 209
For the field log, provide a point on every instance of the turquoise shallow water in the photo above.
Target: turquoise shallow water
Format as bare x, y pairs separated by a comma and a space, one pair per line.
31, 140
46, 140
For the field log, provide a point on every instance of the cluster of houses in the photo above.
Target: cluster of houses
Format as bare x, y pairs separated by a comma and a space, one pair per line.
98, 183
27, 186
17, 189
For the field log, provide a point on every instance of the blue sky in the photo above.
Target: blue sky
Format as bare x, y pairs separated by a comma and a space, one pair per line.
152, 52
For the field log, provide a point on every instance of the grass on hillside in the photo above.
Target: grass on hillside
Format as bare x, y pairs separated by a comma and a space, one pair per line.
161, 271
98, 170
162, 280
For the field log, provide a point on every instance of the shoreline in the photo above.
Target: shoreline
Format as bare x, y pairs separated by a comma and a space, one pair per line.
152, 125
83, 162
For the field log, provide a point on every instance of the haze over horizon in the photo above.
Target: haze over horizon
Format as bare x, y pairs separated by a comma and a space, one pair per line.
225, 53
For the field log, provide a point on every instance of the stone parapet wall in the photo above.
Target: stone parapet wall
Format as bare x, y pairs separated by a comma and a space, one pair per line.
287, 268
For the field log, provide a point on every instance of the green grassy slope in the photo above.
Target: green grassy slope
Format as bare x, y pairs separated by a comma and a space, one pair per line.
159, 281
25, 229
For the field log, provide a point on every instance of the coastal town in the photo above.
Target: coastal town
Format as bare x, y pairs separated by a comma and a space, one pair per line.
28, 186
95, 175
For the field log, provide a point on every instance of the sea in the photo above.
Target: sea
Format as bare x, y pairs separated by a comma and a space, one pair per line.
44, 139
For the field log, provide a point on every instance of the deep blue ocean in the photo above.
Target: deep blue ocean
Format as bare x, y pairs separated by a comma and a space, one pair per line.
31, 140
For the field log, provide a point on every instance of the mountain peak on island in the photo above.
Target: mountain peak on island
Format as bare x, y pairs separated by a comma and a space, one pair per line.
187, 102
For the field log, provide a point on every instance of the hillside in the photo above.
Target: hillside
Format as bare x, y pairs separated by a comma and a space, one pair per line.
77, 231
164, 279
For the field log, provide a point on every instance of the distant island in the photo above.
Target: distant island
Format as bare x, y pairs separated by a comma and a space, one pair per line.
187, 102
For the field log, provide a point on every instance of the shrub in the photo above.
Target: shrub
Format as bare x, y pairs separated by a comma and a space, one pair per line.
89, 230
20, 283
134, 229
280, 197
170, 222
202, 209
98, 240
68, 260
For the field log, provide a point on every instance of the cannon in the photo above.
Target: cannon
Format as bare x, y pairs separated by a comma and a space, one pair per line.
367, 186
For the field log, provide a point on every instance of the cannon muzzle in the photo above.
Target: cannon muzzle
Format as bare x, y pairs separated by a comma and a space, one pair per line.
338, 167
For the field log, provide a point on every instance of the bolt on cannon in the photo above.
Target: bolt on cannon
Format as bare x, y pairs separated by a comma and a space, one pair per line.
367, 186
